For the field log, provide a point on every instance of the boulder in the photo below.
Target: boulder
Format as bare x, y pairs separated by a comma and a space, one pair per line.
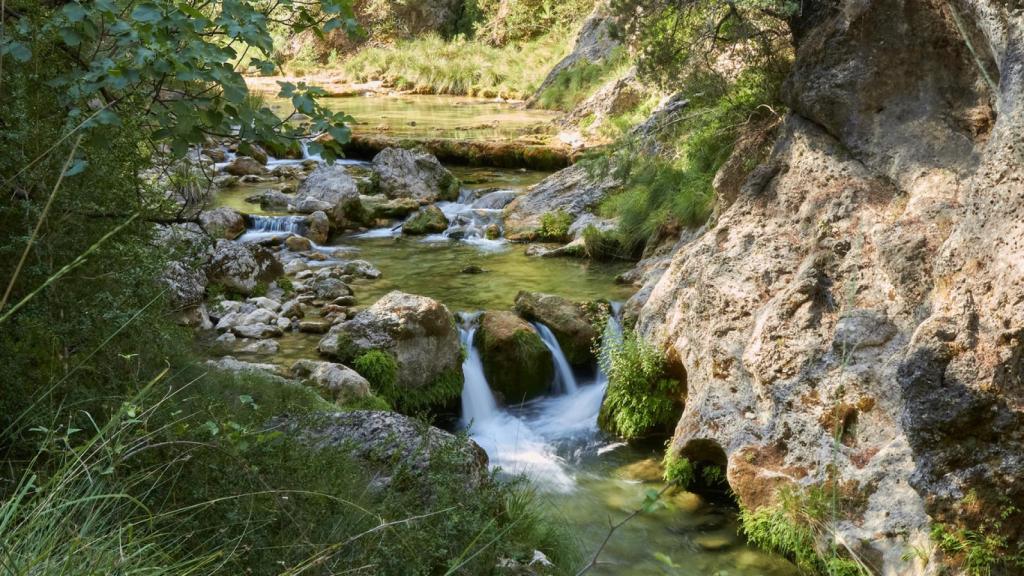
298, 244
258, 331
516, 362
362, 269
340, 383
409, 174
430, 220
230, 364
419, 333
270, 200
330, 288
260, 348
329, 189
222, 223
572, 191
381, 207
245, 166
242, 267
318, 227
494, 200
384, 439
186, 285
254, 151
567, 320
314, 326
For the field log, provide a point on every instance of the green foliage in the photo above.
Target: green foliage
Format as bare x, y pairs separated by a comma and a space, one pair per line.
577, 82
678, 469
460, 67
503, 22
662, 193
792, 528
381, 370
603, 244
554, 226
985, 548
713, 475
641, 398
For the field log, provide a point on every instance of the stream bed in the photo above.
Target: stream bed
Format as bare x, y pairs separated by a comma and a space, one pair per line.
586, 477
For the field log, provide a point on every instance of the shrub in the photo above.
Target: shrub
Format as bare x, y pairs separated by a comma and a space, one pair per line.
641, 398
678, 469
554, 226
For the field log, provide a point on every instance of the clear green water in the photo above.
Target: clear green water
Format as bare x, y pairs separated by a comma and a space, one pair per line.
436, 116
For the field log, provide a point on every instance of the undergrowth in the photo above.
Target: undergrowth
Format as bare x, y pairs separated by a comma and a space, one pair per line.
985, 548
641, 397
577, 82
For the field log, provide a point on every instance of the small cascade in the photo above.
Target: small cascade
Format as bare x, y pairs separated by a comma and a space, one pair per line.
565, 380
478, 404
282, 224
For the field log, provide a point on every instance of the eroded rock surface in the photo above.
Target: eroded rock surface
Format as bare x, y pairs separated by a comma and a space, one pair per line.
409, 174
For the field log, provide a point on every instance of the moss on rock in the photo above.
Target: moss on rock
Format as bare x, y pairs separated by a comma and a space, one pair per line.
516, 362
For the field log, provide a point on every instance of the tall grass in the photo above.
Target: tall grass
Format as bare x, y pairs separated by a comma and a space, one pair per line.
461, 67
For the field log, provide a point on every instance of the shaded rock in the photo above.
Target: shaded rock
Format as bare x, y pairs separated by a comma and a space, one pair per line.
314, 326
298, 244
386, 438
417, 175
230, 364
270, 200
472, 269
245, 166
254, 151
382, 207
516, 362
242, 267
318, 227
430, 220
340, 383
186, 285
566, 319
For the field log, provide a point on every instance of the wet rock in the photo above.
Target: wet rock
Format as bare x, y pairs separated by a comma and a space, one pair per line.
339, 383
472, 269
254, 151
417, 175
362, 269
566, 319
381, 207
314, 326
329, 189
242, 267
298, 244
494, 200
418, 332
225, 181
258, 331
516, 362
270, 200
331, 288
293, 309
215, 154
260, 348
245, 166
430, 220
318, 227
265, 303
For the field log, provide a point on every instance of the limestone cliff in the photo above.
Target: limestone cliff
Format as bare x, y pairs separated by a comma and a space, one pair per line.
868, 280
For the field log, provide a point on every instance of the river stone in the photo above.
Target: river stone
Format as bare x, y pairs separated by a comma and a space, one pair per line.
410, 174
260, 347
362, 269
270, 200
254, 151
245, 166
215, 154
566, 319
329, 189
242, 267
430, 220
293, 309
298, 244
571, 190
314, 326
186, 285
222, 223
421, 335
494, 200
318, 227
516, 362
381, 207
231, 364
340, 383
257, 331
330, 288
384, 439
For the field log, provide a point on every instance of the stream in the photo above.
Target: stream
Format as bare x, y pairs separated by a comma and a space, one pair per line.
584, 476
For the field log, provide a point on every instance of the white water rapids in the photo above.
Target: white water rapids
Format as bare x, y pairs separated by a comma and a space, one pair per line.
523, 439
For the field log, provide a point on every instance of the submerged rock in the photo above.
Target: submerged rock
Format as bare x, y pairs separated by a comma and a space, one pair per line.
516, 362
430, 220
567, 320
417, 175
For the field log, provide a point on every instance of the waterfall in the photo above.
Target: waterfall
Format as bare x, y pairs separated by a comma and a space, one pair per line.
565, 380
478, 404
290, 224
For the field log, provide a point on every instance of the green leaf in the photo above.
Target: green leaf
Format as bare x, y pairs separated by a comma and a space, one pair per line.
70, 36
17, 50
147, 13
74, 12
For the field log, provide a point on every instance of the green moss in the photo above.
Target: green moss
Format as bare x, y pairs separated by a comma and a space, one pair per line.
381, 370
554, 226
641, 398
519, 367
371, 402
346, 348
678, 469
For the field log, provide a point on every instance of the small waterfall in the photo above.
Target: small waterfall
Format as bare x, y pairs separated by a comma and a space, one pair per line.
290, 224
478, 404
565, 380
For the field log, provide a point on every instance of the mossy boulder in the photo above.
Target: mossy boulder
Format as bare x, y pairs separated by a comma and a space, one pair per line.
570, 322
408, 348
516, 362
430, 220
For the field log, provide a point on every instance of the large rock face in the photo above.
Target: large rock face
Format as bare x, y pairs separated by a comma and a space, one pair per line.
516, 362
418, 332
409, 174
594, 43
329, 189
856, 315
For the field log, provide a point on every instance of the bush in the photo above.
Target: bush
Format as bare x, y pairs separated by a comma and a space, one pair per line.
554, 226
678, 469
641, 398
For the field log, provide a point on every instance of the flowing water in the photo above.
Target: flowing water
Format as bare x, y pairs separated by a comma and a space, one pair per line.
586, 477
